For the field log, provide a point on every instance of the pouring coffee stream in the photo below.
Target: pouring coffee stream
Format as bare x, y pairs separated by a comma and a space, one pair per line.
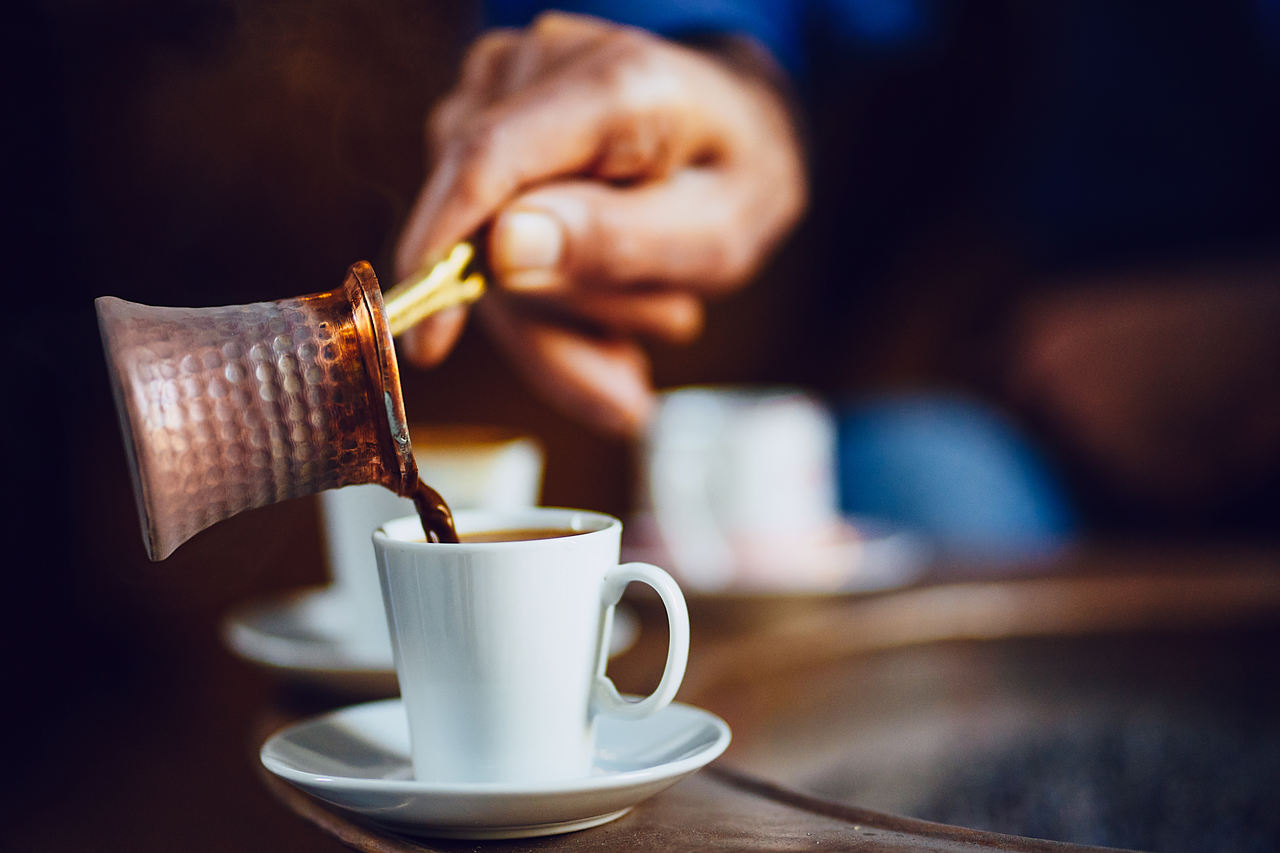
440, 286
230, 408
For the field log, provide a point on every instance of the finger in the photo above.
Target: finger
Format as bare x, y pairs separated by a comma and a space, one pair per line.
484, 78
602, 381
446, 119
556, 26
428, 342
491, 69
487, 59
502, 61
554, 38
552, 128
697, 231
669, 316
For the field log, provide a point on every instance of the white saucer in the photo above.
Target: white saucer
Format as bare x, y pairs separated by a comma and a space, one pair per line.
357, 759
861, 555
306, 635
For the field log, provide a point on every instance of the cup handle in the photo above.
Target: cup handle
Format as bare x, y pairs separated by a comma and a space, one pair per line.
605, 697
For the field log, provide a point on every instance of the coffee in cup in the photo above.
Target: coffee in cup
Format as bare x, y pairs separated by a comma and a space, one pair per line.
523, 534
470, 466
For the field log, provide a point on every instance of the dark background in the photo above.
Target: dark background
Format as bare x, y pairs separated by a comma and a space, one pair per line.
221, 152
200, 153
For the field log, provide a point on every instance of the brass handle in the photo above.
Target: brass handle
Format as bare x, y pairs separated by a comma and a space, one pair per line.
433, 288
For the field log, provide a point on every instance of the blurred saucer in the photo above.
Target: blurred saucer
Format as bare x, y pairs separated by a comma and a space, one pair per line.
860, 555
306, 636
357, 759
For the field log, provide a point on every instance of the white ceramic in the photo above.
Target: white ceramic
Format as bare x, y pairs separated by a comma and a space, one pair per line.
734, 475
470, 466
300, 636
860, 555
500, 647
357, 759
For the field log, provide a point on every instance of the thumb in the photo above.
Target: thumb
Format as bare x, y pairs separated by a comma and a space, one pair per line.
695, 230
528, 245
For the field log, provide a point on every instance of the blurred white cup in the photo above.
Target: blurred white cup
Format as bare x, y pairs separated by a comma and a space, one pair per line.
740, 482
472, 467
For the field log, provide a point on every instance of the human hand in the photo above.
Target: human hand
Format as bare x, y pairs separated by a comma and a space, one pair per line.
622, 179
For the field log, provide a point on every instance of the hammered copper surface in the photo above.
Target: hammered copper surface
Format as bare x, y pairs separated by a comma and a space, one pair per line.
229, 408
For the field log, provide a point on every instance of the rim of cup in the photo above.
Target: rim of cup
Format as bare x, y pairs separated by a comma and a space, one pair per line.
407, 531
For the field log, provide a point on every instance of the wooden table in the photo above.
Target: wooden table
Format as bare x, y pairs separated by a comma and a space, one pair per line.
846, 709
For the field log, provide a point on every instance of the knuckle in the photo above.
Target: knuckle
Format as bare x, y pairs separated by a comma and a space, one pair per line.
732, 261
633, 149
476, 61
480, 140
795, 197
470, 189
441, 121
684, 320
631, 68
628, 42
550, 21
474, 154
482, 50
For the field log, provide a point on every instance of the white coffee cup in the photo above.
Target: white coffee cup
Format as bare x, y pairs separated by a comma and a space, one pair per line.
738, 475
470, 466
500, 647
